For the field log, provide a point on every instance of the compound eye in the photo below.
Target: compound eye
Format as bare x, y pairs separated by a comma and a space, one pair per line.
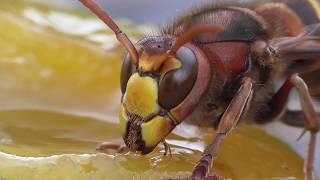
176, 84
127, 69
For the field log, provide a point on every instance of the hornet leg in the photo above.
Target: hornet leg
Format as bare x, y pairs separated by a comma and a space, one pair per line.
311, 119
228, 122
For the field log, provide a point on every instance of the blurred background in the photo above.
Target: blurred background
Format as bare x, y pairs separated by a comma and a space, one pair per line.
139, 11
59, 94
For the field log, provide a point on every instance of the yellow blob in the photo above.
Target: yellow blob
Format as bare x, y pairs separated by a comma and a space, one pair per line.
141, 96
155, 130
123, 118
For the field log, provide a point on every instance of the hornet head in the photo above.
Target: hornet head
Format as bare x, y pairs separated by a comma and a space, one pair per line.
162, 80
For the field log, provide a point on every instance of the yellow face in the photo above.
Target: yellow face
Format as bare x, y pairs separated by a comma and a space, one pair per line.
159, 83
154, 93
141, 124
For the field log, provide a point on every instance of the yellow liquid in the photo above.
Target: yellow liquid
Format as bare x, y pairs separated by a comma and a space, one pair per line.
59, 98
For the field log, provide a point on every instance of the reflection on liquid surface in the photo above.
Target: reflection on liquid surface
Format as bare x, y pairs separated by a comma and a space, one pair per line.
59, 99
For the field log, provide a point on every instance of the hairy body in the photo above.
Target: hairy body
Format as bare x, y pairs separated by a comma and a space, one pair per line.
235, 58
217, 65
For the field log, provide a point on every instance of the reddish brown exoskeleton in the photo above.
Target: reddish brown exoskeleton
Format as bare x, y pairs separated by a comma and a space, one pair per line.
218, 65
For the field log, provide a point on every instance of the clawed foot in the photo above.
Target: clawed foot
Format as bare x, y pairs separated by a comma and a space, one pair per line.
109, 148
167, 149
